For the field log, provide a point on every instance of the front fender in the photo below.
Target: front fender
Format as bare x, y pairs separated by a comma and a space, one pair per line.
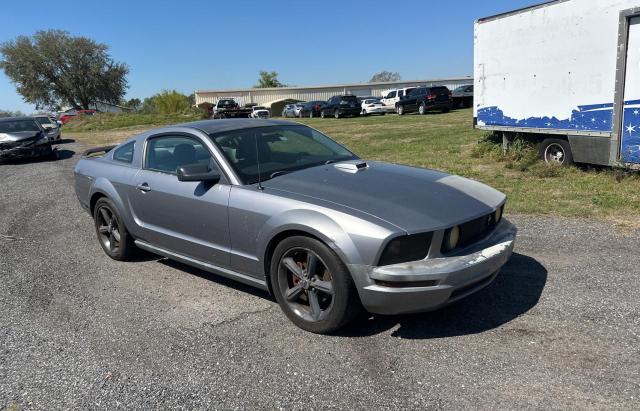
311, 222
104, 187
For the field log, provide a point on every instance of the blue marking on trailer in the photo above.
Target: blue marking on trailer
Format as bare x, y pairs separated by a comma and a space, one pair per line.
592, 117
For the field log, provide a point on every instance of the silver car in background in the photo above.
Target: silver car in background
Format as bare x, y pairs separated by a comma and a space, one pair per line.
282, 207
50, 126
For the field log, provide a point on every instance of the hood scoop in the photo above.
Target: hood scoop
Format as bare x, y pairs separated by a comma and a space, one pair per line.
352, 167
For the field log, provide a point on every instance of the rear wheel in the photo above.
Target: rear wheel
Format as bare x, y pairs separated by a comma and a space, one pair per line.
312, 285
556, 151
364, 113
336, 113
112, 234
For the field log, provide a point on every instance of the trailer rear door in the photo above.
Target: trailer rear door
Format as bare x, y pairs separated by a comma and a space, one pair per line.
630, 145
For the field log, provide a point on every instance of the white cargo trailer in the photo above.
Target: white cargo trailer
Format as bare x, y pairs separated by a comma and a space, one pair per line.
566, 73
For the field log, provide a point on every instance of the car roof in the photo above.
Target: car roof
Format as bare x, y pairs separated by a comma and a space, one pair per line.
16, 118
232, 124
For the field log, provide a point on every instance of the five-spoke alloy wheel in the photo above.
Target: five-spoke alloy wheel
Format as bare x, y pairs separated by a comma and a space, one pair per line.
112, 234
312, 285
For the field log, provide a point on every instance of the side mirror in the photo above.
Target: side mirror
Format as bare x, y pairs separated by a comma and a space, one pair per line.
198, 172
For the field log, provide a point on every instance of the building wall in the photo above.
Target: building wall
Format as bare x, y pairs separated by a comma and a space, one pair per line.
265, 97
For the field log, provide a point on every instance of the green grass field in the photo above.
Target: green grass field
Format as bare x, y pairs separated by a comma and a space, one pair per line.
448, 142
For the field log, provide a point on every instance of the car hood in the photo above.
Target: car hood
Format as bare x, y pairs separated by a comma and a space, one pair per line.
413, 199
18, 136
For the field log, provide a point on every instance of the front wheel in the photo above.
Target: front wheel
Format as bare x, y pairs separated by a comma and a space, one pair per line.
400, 110
112, 234
556, 151
312, 286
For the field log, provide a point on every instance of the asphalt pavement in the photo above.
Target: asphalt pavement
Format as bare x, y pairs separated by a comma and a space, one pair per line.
559, 328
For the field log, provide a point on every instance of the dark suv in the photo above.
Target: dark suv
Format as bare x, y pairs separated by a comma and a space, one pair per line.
340, 106
423, 99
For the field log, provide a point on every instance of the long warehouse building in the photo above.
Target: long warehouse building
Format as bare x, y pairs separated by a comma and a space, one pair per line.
276, 98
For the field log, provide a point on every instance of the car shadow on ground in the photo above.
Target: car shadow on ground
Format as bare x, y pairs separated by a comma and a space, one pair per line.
218, 279
60, 155
64, 141
515, 291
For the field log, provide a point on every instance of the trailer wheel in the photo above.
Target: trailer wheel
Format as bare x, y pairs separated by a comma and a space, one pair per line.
556, 151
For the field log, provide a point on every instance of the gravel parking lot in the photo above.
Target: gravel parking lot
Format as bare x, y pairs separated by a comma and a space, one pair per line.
559, 328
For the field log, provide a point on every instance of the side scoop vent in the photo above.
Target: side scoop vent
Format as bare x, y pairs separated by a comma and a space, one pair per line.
352, 167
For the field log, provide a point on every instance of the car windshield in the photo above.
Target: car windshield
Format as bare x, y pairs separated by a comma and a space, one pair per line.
259, 108
43, 120
13, 126
281, 149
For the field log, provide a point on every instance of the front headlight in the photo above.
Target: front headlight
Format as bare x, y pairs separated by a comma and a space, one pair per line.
406, 248
451, 239
498, 215
43, 140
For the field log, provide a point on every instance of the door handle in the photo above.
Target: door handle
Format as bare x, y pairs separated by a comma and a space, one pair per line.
143, 187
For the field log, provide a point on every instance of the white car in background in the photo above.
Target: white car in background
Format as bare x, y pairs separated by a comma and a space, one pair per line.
260, 112
391, 97
374, 106
49, 125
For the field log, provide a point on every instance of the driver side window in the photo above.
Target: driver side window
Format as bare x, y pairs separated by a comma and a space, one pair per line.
167, 153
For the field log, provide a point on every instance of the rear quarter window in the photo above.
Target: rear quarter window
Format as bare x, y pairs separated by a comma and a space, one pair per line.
124, 154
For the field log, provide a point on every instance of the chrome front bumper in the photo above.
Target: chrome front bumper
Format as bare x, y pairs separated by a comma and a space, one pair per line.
434, 282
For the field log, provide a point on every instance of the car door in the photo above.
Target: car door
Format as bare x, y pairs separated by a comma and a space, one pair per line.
189, 218
409, 101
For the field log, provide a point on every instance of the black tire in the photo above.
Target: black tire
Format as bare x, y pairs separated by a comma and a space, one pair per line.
422, 110
400, 110
446, 109
107, 222
323, 114
364, 113
311, 114
340, 307
556, 151
336, 113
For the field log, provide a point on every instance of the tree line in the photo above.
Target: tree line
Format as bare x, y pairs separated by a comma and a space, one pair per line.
52, 69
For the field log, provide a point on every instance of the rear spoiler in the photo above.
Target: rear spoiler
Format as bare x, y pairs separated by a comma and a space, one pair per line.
98, 150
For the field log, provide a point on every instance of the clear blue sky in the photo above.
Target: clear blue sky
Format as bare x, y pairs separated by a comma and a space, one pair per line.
189, 45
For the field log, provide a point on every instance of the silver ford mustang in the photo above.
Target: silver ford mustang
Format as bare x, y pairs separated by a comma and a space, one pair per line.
282, 207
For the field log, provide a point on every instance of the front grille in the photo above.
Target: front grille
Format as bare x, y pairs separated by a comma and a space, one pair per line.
27, 142
474, 230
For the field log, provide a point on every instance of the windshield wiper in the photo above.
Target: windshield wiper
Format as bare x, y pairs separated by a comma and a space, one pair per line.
278, 173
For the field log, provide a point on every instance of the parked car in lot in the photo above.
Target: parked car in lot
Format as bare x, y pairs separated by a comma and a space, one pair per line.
292, 110
341, 106
23, 137
70, 114
463, 96
391, 97
260, 112
50, 126
311, 109
229, 108
373, 106
424, 99
283, 207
